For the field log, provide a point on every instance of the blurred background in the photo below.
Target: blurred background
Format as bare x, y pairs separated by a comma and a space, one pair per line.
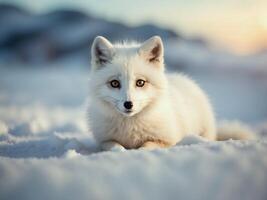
45, 50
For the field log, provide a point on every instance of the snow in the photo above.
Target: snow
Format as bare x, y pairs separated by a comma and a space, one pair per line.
219, 170
47, 150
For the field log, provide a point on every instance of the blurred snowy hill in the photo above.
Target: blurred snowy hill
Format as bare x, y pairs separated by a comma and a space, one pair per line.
40, 38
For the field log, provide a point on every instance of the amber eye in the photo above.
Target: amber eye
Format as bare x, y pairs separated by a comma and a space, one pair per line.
115, 84
140, 83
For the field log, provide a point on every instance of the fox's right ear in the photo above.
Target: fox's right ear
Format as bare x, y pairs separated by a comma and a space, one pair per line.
102, 52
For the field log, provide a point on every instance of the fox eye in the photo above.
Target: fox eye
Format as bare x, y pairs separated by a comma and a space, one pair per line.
115, 84
140, 83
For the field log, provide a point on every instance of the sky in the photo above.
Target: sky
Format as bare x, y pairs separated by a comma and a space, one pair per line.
237, 25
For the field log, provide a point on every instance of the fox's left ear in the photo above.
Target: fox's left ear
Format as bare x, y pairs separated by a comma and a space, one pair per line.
152, 50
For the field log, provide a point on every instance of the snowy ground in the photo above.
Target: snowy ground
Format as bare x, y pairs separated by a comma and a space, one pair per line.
46, 151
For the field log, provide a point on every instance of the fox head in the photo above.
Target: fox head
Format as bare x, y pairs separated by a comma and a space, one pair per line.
126, 78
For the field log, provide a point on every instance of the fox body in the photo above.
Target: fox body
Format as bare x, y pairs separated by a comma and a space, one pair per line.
134, 103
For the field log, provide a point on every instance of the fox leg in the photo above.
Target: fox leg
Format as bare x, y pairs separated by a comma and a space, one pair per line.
150, 145
209, 133
112, 146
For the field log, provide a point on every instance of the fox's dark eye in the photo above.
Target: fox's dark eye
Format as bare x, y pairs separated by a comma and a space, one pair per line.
115, 84
140, 83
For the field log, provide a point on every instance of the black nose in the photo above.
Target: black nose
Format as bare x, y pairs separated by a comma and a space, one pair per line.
128, 104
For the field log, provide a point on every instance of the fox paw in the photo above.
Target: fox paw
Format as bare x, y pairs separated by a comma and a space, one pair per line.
117, 148
112, 146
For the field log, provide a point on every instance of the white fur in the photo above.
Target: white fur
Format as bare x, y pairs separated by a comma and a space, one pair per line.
165, 110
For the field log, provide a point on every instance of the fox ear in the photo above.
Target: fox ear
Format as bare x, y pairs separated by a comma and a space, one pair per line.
152, 50
102, 52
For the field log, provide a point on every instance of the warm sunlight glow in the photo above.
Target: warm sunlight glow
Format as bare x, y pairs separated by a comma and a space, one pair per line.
263, 21
237, 25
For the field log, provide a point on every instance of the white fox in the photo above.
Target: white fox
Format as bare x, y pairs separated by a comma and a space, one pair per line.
135, 104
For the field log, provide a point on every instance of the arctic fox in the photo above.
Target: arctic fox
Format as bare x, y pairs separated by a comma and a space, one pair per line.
135, 104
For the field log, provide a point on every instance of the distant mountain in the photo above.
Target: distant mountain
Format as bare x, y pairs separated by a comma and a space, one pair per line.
31, 38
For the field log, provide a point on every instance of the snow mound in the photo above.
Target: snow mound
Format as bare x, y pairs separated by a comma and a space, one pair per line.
219, 170
192, 139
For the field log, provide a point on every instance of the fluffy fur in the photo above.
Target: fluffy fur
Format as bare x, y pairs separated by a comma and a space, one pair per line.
165, 109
